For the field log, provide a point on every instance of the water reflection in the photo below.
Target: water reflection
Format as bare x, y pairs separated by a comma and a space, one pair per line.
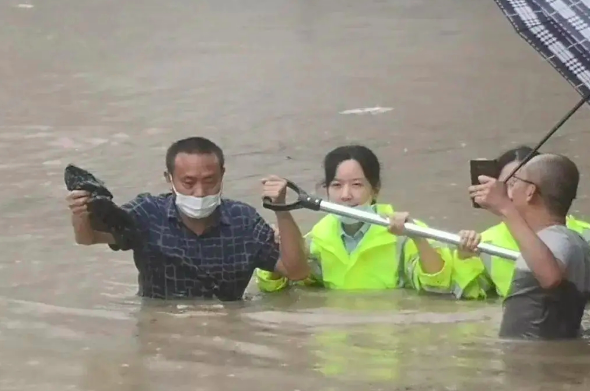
382, 337
299, 339
545, 365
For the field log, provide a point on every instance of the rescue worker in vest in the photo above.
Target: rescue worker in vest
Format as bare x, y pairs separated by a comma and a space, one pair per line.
499, 271
347, 254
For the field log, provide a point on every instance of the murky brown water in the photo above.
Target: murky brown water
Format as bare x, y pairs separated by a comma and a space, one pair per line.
109, 85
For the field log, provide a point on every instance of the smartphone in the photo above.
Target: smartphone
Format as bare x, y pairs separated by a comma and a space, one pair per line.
485, 167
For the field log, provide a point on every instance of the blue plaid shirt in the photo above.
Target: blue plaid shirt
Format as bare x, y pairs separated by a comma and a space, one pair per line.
174, 262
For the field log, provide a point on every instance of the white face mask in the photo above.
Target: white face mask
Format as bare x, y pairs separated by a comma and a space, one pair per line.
349, 220
197, 207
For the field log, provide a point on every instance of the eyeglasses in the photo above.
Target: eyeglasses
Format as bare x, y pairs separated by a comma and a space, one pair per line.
512, 181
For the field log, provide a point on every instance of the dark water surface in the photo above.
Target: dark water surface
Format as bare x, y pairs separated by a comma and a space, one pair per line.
109, 85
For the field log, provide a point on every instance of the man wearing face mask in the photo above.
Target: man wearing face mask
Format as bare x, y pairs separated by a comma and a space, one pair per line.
194, 243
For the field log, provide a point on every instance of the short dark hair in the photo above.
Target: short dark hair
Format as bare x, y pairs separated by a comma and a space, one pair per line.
193, 145
557, 178
362, 155
517, 154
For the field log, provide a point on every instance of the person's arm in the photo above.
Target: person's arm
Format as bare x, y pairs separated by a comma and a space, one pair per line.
492, 194
273, 281
432, 279
416, 257
547, 269
77, 201
287, 259
85, 235
293, 260
431, 260
137, 208
270, 281
141, 210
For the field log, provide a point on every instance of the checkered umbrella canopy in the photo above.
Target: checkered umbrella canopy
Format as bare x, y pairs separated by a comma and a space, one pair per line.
560, 31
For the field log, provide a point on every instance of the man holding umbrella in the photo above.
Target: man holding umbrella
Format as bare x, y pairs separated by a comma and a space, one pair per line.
551, 284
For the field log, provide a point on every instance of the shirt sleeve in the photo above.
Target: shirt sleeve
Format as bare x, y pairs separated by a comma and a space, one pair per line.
268, 250
560, 245
315, 263
139, 210
439, 282
267, 281
468, 277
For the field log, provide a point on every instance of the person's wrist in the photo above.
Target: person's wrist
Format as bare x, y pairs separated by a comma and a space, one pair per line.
281, 215
507, 210
80, 216
418, 239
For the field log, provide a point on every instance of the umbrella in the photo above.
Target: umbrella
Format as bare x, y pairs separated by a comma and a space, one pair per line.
559, 30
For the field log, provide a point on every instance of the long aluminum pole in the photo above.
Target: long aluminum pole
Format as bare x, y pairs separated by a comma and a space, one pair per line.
413, 229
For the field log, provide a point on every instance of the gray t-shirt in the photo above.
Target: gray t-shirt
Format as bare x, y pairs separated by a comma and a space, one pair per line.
531, 311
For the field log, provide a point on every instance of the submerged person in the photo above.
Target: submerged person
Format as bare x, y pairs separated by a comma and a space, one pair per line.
347, 254
498, 271
193, 242
551, 283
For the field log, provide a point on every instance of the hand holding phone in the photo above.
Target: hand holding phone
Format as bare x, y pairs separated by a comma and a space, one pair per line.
485, 167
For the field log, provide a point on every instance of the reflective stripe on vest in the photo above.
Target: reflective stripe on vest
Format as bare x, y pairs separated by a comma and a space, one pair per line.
487, 262
315, 266
484, 283
400, 252
455, 288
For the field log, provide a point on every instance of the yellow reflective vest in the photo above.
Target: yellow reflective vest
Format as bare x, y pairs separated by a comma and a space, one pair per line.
380, 261
499, 271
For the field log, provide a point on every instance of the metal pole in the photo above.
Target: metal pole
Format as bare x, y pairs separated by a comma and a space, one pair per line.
548, 135
413, 229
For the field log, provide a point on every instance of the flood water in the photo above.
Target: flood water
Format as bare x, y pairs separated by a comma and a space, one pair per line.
108, 85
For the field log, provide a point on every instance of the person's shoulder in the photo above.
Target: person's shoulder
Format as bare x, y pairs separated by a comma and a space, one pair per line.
579, 241
239, 209
561, 233
560, 236
148, 201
